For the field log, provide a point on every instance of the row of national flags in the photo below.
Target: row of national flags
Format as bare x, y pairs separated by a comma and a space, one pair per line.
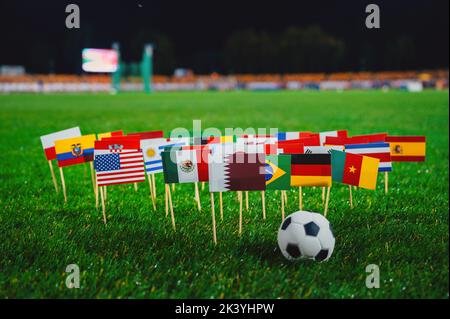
229, 163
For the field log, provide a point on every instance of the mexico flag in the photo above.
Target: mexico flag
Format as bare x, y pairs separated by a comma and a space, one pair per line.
236, 171
185, 165
48, 141
407, 148
354, 169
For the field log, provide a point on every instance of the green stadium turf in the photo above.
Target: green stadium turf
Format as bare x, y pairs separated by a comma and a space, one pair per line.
137, 255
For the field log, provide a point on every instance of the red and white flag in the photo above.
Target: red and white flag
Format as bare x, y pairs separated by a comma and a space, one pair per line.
48, 141
118, 161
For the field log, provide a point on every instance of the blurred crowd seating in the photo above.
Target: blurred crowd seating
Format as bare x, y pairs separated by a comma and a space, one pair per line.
65, 82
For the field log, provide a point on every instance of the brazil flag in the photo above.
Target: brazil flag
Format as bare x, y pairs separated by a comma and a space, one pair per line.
278, 172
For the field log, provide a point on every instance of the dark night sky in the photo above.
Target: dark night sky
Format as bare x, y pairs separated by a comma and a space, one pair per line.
33, 29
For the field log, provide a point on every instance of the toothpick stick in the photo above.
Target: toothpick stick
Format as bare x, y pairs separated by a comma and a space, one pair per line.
326, 201
151, 191
135, 187
350, 196
240, 213
203, 186
323, 194
96, 196
300, 198
213, 215
154, 185
102, 195
385, 182
246, 200
91, 166
285, 197
197, 197
172, 216
52, 172
63, 184
166, 199
173, 187
221, 205
282, 205
263, 200
105, 188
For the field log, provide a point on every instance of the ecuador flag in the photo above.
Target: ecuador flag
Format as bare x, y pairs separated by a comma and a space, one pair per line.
311, 170
71, 151
278, 172
407, 148
354, 169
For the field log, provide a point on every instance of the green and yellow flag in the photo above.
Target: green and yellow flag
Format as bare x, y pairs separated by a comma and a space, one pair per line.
278, 172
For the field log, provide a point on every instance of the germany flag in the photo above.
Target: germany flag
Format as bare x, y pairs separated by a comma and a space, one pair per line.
311, 170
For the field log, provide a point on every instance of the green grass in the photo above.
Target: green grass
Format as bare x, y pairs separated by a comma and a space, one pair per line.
137, 255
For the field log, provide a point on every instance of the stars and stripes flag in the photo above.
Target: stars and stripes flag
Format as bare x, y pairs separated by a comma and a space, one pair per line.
118, 161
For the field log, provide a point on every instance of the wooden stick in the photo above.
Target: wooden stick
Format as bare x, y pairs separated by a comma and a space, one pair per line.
197, 197
91, 166
221, 205
323, 194
203, 186
166, 199
385, 182
213, 215
350, 196
102, 195
96, 195
282, 205
300, 198
263, 201
52, 172
135, 187
326, 201
63, 184
149, 177
105, 188
285, 197
172, 216
246, 200
154, 184
173, 187
240, 213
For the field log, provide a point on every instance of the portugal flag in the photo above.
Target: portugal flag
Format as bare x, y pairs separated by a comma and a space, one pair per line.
278, 172
354, 169
311, 170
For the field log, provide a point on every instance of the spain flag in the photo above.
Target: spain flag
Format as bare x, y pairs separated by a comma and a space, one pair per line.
407, 148
72, 151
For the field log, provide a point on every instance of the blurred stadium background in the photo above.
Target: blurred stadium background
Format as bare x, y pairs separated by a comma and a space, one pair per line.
251, 46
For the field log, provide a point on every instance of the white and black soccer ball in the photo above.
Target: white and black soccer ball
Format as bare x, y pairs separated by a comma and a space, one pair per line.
306, 235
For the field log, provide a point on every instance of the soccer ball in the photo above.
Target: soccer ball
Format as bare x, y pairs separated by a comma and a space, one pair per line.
306, 235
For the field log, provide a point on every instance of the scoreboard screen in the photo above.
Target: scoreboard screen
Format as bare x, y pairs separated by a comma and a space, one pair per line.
99, 60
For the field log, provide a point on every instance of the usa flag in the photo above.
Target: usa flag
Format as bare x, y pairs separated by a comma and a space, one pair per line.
118, 161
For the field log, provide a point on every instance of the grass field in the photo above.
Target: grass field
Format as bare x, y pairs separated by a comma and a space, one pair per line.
137, 255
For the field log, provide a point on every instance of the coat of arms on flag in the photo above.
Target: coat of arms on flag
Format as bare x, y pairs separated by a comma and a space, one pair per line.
185, 165
407, 148
118, 161
76, 150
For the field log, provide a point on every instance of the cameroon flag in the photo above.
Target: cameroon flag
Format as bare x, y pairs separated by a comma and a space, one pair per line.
278, 172
354, 169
